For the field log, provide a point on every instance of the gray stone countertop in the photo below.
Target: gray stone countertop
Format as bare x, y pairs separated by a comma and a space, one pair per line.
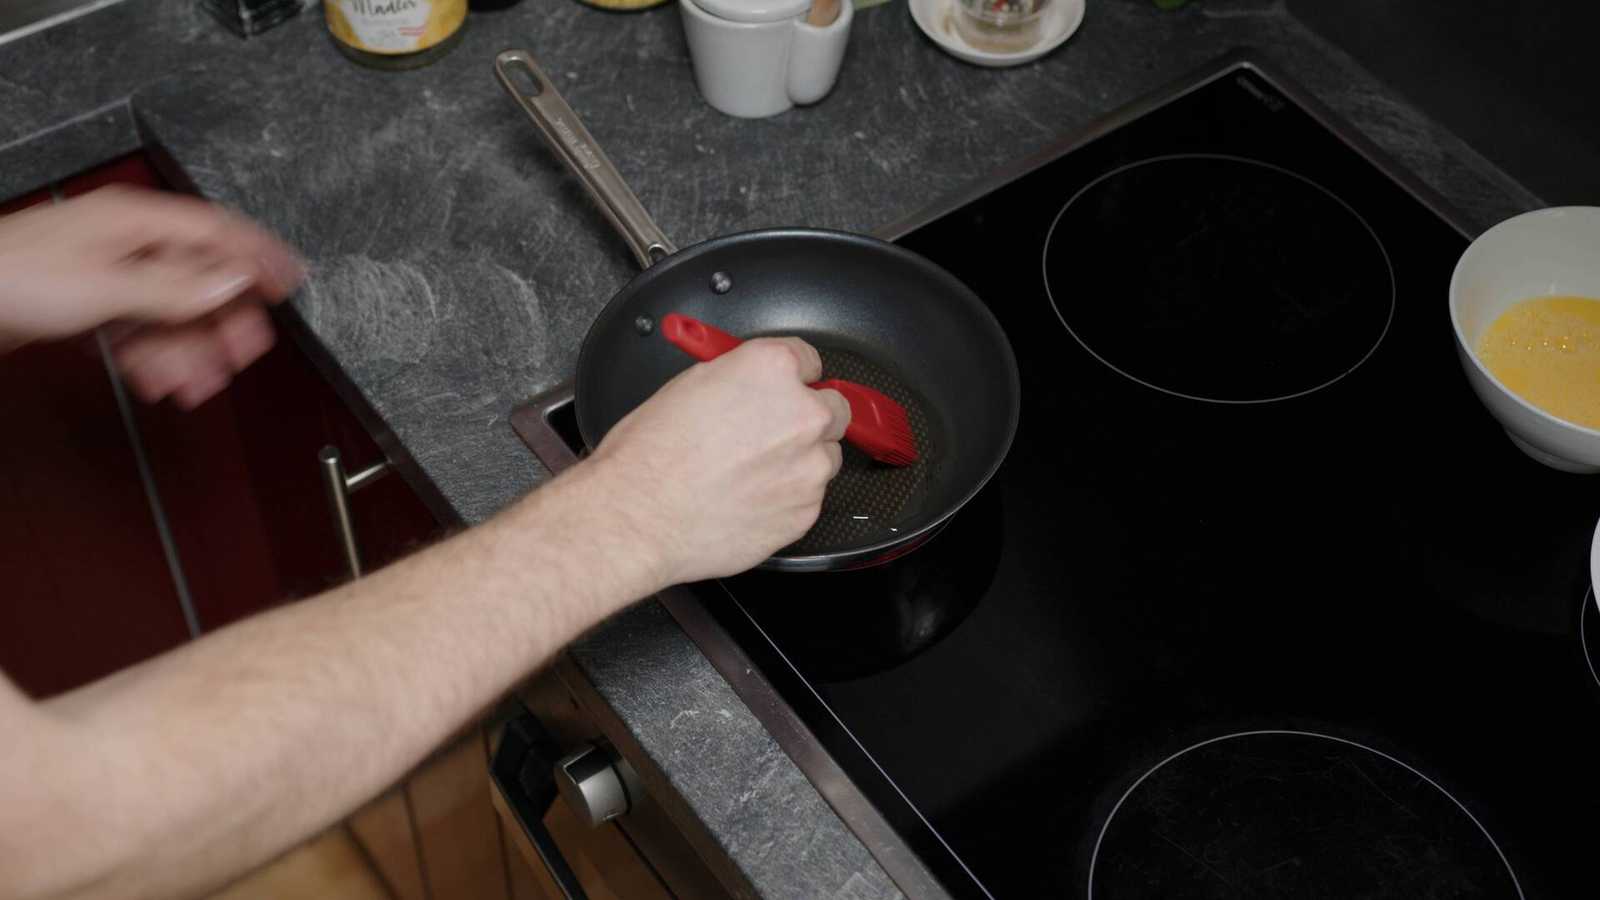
456, 268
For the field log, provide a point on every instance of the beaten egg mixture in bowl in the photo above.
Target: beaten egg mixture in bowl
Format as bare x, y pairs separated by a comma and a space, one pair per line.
1525, 304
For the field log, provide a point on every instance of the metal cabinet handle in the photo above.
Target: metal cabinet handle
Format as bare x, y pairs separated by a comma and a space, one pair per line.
523, 772
340, 487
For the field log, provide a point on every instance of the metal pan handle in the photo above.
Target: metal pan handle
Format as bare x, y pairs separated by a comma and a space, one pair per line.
564, 132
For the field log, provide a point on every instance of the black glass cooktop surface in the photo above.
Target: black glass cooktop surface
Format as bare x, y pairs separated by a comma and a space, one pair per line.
1262, 602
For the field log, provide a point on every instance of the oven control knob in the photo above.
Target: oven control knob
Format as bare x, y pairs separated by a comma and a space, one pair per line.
597, 784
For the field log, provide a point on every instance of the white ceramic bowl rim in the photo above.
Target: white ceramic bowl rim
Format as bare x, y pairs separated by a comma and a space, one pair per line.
1070, 13
1594, 567
1472, 353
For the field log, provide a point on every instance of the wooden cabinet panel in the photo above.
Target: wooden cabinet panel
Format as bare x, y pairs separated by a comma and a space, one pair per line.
328, 866
526, 880
456, 824
606, 863
384, 829
436, 835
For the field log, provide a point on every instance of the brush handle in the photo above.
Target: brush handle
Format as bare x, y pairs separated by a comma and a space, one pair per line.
707, 342
704, 342
866, 430
696, 338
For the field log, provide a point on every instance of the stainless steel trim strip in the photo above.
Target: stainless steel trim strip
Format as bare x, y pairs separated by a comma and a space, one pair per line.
152, 494
169, 546
26, 18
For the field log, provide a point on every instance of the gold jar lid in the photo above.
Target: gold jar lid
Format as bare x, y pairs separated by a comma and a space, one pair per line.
623, 5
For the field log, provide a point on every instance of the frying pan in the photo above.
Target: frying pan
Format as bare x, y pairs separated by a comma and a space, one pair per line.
877, 313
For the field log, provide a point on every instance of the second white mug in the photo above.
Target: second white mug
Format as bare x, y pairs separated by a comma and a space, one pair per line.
755, 58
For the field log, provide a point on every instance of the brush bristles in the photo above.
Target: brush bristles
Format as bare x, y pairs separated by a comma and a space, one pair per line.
886, 420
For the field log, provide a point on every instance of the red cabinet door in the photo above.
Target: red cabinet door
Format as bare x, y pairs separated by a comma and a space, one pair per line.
86, 584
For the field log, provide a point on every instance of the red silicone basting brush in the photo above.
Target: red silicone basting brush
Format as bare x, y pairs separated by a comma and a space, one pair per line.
878, 425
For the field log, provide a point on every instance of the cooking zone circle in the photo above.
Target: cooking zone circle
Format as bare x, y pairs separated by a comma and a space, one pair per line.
1292, 814
1589, 633
1218, 278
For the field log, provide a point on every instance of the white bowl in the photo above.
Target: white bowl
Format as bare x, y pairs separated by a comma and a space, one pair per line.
1594, 567
1548, 251
934, 17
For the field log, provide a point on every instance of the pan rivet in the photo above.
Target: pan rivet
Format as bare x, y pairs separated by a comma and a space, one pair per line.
721, 283
644, 324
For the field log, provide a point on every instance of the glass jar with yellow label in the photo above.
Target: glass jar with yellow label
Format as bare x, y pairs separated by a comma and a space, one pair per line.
395, 34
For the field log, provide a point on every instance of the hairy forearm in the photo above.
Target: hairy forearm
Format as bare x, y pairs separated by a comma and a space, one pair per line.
171, 775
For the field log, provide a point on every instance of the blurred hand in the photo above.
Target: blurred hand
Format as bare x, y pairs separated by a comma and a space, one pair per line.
182, 283
727, 463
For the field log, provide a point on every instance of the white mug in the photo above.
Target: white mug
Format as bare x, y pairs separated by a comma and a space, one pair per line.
755, 58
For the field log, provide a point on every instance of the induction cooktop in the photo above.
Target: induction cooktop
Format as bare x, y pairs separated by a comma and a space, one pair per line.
1262, 603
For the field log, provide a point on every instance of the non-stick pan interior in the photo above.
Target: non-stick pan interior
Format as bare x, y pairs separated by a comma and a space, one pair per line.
878, 314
